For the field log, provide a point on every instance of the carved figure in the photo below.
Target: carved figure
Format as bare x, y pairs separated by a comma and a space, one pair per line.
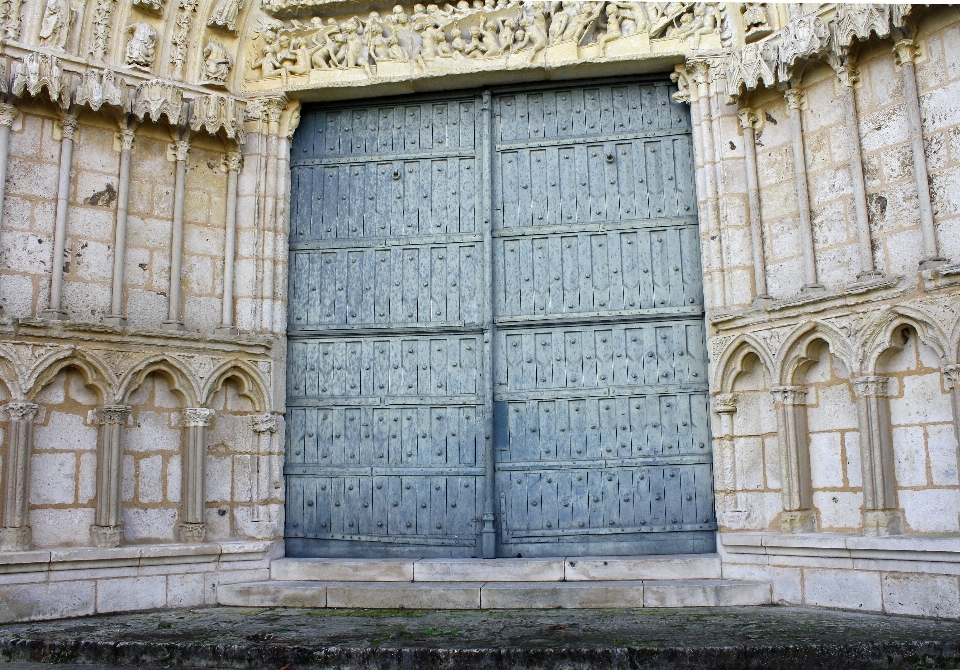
225, 14
558, 24
99, 88
634, 18
269, 64
324, 55
534, 36
10, 18
396, 51
181, 33
100, 29
216, 63
614, 31
754, 16
475, 47
55, 24
491, 42
508, 29
142, 46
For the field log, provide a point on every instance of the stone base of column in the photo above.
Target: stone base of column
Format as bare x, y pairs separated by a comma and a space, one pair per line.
812, 288
15, 539
106, 537
54, 314
799, 521
227, 331
931, 263
881, 522
115, 320
173, 325
193, 533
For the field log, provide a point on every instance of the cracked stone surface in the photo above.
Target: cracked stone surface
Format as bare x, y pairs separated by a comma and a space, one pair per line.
762, 637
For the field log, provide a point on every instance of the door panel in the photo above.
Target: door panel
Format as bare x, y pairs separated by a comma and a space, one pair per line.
596, 356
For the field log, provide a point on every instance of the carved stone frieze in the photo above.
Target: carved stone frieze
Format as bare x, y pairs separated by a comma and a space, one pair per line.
156, 99
773, 338
265, 423
36, 72
99, 88
725, 403
871, 386
747, 69
215, 114
790, 395
802, 38
142, 45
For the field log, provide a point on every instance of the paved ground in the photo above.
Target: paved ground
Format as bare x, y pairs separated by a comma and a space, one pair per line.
727, 638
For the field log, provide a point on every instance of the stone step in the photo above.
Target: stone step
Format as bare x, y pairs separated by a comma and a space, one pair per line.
572, 569
497, 595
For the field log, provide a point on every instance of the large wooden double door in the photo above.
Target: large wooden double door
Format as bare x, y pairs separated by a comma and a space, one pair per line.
496, 336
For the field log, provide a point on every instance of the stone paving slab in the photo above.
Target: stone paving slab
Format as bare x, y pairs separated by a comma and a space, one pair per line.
272, 638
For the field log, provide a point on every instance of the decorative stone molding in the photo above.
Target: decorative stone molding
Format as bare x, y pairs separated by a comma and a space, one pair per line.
101, 25
141, 47
156, 98
36, 72
796, 492
180, 40
107, 530
99, 88
15, 532
216, 113
803, 38
951, 375
881, 516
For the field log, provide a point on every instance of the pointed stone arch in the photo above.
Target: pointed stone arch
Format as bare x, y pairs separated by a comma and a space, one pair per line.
94, 372
887, 335
735, 360
176, 372
252, 384
798, 353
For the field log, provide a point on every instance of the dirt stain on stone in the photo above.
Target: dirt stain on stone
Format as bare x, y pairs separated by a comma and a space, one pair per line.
103, 198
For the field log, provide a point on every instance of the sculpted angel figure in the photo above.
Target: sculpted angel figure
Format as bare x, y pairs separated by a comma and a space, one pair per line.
225, 14
55, 25
216, 63
142, 46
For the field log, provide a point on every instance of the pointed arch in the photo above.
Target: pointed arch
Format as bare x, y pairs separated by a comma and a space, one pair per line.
734, 361
95, 373
252, 384
176, 372
887, 336
11, 373
797, 351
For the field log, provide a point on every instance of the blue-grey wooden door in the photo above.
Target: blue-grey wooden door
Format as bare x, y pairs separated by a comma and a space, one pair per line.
385, 403
496, 339
601, 402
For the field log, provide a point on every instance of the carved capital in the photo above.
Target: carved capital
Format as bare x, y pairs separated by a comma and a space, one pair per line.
265, 423
21, 411
293, 120
725, 403
848, 76
196, 416
266, 109
906, 51
112, 414
8, 114
127, 137
233, 161
699, 71
106, 537
181, 149
193, 533
952, 375
68, 126
790, 395
870, 386
748, 117
794, 97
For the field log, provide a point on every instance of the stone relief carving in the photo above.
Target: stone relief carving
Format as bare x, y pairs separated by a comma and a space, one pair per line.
100, 88
216, 113
38, 71
10, 18
481, 35
156, 99
142, 45
225, 14
746, 69
181, 34
100, 26
857, 21
756, 21
803, 37
196, 416
150, 5
216, 64
58, 17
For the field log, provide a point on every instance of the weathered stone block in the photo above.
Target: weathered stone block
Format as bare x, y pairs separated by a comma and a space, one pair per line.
921, 595
846, 589
132, 593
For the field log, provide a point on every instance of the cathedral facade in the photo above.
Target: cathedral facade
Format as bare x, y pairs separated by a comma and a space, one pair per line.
337, 280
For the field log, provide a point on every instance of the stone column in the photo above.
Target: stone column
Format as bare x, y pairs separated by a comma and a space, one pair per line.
951, 374
181, 149
15, 533
699, 72
8, 114
195, 422
68, 125
748, 121
794, 441
272, 110
232, 161
848, 76
880, 516
906, 51
726, 406
107, 530
261, 470
794, 98
116, 316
